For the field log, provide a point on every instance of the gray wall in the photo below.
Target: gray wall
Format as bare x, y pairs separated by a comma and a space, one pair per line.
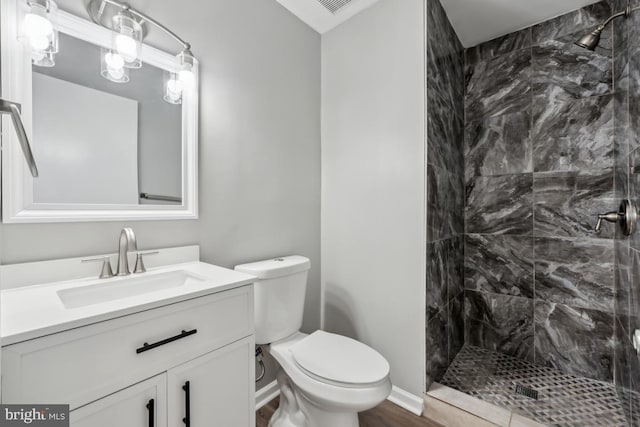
259, 145
445, 193
373, 185
538, 169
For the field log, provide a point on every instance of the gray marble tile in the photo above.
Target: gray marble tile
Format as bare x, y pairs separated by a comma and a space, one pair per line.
575, 272
573, 135
445, 135
499, 264
621, 45
633, 288
445, 277
437, 356
445, 204
500, 323
634, 81
623, 355
623, 279
455, 325
498, 86
621, 146
437, 277
499, 46
567, 203
455, 282
445, 58
498, 145
634, 195
579, 20
500, 204
563, 71
574, 340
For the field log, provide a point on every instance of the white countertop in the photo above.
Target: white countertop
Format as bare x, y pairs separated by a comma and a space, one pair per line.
34, 311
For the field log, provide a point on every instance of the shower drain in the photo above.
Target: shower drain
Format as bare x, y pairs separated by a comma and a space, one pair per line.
527, 391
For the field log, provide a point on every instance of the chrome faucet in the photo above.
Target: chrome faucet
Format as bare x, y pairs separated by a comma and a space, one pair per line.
126, 243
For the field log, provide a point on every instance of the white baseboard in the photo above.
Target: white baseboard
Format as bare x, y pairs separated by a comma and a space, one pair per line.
398, 396
266, 394
406, 400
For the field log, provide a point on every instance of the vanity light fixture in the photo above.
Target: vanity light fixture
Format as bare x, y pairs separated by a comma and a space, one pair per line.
39, 31
129, 28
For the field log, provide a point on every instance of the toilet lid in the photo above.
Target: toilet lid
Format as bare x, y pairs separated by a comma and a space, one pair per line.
339, 359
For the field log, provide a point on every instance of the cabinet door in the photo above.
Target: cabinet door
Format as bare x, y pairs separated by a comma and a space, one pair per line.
141, 405
214, 390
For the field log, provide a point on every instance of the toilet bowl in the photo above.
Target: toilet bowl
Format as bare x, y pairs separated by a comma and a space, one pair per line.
325, 379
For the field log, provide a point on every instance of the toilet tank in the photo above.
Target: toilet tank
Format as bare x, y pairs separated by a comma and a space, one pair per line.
279, 296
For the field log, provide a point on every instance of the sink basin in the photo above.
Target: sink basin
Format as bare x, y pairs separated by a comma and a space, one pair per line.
125, 287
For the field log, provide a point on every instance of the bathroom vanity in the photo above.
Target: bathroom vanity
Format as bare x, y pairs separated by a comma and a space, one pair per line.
173, 346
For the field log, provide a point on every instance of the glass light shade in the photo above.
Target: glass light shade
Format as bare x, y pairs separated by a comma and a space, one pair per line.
39, 27
112, 66
127, 39
43, 59
173, 88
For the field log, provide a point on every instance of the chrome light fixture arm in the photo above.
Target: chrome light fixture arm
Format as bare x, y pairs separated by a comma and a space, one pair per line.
146, 18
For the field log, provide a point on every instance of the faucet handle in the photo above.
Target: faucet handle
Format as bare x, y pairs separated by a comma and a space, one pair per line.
106, 271
139, 268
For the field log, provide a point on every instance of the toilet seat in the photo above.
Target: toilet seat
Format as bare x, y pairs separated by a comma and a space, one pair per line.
340, 361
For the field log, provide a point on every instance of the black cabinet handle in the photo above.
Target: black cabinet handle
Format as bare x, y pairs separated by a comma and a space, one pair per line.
152, 412
187, 404
183, 334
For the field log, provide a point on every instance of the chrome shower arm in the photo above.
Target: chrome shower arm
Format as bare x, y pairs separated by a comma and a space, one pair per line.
13, 109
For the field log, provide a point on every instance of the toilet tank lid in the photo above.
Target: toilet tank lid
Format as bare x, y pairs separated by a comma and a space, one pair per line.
277, 267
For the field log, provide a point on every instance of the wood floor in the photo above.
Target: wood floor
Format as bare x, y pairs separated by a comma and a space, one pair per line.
385, 415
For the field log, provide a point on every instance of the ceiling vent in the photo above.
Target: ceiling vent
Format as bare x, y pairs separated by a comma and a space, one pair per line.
334, 5
323, 15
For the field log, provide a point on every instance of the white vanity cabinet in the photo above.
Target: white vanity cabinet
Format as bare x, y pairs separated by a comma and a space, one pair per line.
140, 405
108, 372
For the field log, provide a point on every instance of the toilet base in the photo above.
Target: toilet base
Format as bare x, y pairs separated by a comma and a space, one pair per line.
296, 410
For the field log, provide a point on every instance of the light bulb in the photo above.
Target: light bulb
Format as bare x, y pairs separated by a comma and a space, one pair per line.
39, 42
36, 25
174, 90
115, 65
127, 47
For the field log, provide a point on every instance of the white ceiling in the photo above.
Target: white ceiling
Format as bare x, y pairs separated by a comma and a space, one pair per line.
478, 21
475, 21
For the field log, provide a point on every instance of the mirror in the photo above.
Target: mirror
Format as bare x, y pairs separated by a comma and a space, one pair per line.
106, 150
124, 139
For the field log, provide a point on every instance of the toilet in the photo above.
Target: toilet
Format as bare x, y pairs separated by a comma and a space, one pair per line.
326, 379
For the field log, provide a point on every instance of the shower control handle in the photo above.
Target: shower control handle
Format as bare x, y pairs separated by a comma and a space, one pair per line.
609, 216
626, 217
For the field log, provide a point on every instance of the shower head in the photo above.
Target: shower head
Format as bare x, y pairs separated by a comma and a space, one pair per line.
590, 41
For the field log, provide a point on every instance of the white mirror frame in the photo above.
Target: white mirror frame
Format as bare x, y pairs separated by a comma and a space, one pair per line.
17, 183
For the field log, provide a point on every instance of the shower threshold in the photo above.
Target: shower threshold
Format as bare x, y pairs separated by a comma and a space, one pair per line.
537, 392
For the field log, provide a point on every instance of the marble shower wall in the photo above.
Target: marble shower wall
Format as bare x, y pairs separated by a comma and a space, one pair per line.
445, 193
538, 168
627, 185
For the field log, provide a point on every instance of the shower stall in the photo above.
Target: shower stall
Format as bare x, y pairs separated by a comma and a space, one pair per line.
532, 139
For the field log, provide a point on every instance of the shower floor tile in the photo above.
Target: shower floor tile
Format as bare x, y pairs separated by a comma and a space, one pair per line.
563, 400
